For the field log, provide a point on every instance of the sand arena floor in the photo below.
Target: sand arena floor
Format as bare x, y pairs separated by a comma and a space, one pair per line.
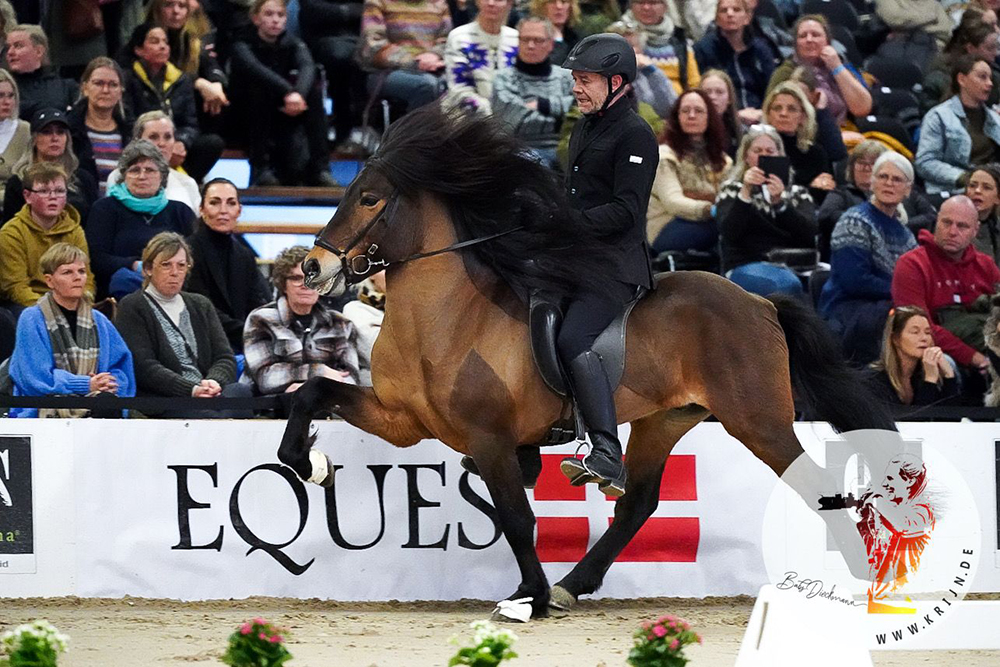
135, 632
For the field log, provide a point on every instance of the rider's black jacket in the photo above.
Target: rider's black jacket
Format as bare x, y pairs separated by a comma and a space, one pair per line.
612, 162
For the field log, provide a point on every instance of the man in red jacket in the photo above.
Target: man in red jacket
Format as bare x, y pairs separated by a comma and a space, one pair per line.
946, 276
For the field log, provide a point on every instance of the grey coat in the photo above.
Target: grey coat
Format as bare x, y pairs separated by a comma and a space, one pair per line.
157, 369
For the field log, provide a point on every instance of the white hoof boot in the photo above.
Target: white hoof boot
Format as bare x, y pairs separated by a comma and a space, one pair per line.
320, 467
513, 610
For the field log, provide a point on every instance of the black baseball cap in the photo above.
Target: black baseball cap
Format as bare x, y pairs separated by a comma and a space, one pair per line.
45, 117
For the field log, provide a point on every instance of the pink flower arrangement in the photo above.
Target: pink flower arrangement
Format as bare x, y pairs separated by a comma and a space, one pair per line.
661, 643
256, 643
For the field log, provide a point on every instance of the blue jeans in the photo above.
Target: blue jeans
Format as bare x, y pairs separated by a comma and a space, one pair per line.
414, 88
681, 234
763, 278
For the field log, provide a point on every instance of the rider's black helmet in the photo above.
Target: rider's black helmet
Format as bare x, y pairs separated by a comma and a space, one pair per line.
606, 54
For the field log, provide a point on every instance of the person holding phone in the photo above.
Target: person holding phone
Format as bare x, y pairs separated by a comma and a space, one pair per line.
759, 210
788, 111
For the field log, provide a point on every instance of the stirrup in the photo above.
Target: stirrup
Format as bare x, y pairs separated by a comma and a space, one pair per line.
574, 468
578, 473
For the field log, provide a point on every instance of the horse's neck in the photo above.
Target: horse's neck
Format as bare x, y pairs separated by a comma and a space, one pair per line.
436, 296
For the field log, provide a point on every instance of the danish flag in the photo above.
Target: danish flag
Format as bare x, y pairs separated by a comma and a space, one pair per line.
563, 538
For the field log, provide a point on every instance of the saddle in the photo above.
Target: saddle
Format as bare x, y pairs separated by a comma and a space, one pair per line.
544, 319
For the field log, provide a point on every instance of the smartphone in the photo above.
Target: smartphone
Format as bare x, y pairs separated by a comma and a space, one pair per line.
779, 165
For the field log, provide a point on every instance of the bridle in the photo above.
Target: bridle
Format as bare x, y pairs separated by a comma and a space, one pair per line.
357, 268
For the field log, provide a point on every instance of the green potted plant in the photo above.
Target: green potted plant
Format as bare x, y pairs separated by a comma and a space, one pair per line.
257, 643
34, 645
661, 643
490, 646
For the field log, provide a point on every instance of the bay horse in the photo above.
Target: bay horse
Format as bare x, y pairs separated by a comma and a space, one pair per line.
464, 222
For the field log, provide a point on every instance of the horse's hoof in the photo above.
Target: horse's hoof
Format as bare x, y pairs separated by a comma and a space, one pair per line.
321, 468
561, 599
513, 611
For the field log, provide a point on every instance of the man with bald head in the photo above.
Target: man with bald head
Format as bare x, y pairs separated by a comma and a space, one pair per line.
951, 280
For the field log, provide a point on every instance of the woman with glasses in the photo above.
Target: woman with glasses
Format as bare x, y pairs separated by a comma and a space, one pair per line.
866, 244
134, 211
97, 120
788, 111
961, 131
158, 128
52, 142
297, 337
911, 369
693, 163
15, 134
177, 341
857, 188
758, 213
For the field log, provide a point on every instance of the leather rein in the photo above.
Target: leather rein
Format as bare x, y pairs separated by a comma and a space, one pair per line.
357, 268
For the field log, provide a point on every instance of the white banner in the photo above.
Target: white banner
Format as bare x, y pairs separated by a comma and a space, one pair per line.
202, 510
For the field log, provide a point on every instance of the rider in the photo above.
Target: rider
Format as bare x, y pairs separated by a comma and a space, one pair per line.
612, 162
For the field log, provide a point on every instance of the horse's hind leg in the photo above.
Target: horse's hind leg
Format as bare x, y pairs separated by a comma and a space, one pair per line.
357, 405
649, 445
765, 427
502, 475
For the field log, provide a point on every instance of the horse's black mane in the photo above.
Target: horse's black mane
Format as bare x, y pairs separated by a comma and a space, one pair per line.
491, 185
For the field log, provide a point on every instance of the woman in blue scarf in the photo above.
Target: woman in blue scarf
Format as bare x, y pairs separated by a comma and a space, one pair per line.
134, 211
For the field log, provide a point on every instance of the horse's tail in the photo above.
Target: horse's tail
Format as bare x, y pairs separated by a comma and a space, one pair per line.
821, 376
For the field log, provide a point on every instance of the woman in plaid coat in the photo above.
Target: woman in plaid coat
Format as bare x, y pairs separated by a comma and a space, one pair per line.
297, 337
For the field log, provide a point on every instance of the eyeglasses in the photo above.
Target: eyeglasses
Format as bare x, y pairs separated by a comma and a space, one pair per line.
864, 166
110, 85
55, 193
295, 280
537, 41
141, 171
890, 178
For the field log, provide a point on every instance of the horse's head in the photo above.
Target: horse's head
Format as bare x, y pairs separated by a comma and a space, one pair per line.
349, 248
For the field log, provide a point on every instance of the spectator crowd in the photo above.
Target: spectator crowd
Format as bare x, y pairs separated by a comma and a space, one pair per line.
845, 152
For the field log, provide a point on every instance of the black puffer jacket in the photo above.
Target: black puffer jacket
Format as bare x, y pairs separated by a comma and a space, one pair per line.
44, 89
175, 97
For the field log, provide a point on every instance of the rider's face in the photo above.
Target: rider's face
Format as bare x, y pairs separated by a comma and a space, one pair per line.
590, 91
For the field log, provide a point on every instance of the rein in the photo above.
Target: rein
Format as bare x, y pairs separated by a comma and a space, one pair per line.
355, 274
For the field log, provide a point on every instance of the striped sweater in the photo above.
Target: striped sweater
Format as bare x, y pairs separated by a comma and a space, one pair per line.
395, 32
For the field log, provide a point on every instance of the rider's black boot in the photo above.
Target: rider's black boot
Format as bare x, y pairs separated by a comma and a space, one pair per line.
596, 401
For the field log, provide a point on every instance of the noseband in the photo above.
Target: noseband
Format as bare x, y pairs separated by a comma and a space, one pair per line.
357, 268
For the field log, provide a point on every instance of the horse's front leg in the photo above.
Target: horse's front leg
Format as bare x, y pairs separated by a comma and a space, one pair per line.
501, 472
357, 405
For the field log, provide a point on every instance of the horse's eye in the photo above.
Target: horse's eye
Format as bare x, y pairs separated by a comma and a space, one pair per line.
369, 200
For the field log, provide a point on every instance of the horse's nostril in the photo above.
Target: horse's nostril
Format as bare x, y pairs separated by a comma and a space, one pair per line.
310, 267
